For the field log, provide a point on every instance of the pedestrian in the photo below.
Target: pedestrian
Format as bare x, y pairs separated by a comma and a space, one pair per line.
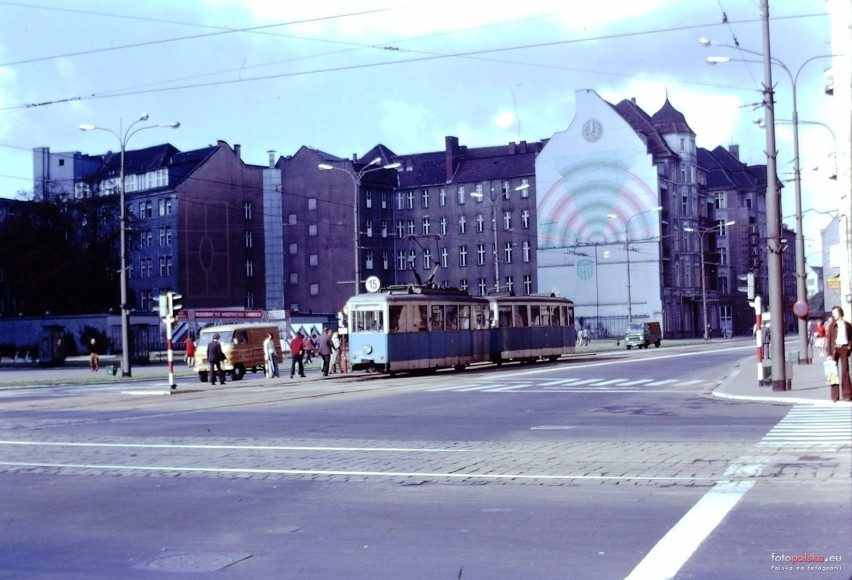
818, 334
335, 352
324, 350
271, 357
296, 348
94, 362
839, 334
766, 338
190, 351
310, 347
215, 357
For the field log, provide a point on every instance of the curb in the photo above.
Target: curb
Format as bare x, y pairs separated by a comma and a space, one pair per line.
719, 392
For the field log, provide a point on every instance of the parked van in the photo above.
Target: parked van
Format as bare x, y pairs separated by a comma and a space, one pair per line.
242, 345
643, 334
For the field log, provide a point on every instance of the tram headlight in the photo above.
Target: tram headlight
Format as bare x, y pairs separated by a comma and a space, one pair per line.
367, 349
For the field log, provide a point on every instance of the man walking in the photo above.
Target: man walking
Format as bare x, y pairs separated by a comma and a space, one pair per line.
324, 348
214, 360
296, 348
839, 336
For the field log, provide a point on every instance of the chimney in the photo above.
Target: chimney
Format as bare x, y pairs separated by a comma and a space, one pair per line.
512, 148
735, 151
237, 150
450, 154
523, 146
271, 154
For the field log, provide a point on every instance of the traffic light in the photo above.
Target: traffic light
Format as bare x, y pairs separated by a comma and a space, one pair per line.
162, 305
749, 288
172, 304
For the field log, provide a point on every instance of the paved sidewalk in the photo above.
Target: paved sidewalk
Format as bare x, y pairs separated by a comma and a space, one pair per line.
807, 387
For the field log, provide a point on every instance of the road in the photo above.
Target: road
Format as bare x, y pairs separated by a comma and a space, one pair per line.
610, 466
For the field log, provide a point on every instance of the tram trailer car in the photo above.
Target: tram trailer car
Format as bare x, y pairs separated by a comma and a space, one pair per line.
415, 328
418, 328
529, 328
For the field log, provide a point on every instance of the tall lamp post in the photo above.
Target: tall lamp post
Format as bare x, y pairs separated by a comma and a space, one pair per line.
701, 232
627, 253
801, 272
356, 183
494, 205
123, 137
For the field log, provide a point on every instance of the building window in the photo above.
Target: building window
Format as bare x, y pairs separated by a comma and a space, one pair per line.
507, 252
483, 286
412, 259
294, 249
505, 189
723, 285
369, 228
445, 258
400, 260
723, 228
249, 269
384, 229
480, 254
480, 223
312, 229
424, 199
684, 205
249, 299
161, 206
410, 227
313, 260
460, 195
443, 226
400, 200
169, 206
162, 266
427, 259
527, 284
247, 210
385, 263
463, 256
462, 224
400, 230
410, 200
723, 256
507, 221
292, 219
384, 200
463, 284
249, 239
427, 226
525, 252
442, 197
368, 199
510, 284
312, 204
369, 259
314, 289
525, 185
294, 278
525, 219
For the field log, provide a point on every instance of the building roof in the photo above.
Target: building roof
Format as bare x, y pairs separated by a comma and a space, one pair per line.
669, 120
644, 126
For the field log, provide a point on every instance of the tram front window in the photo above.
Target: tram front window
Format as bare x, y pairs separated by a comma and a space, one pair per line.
368, 321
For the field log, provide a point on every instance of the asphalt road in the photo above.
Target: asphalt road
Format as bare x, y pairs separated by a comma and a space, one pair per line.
610, 466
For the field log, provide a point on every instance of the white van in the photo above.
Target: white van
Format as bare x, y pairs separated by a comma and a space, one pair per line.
643, 335
242, 345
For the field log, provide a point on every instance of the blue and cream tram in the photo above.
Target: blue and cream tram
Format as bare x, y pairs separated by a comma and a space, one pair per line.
528, 328
410, 328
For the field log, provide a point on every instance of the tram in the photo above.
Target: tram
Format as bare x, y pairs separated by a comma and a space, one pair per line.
419, 328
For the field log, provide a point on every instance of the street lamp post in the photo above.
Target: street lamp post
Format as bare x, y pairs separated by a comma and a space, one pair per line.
356, 182
701, 232
123, 138
801, 272
627, 253
494, 206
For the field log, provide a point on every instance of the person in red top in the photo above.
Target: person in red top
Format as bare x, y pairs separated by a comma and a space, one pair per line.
190, 351
818, 334
296, 348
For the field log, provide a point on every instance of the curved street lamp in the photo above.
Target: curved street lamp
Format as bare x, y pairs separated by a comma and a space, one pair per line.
627, 253
123, 137
701, 232
494, 199
356, 182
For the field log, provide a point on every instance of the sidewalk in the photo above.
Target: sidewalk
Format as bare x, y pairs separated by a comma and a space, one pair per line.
808, 386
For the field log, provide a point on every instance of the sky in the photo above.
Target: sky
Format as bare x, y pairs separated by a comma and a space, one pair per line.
343, 76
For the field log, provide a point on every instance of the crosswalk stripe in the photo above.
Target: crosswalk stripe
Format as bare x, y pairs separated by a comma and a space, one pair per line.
663, 382
805, 424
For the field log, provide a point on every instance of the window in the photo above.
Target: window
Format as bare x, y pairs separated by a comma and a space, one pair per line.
525, 219
369, 228
507, 221
294, 249
169, 206
462, 224
249, 299
294, 278
312, 204
463, 256
445, 258
400, 230
384, 229
412, 259
442, 197
528, 289
510, 284
368, 199
483, 286
427, 226
480, 254
247, 210
723, 228
427, 259
525, 184
460, 195
161, 206
249, 239
723, 285
723, 256
313, 260
384, 200
410, 200
400, 261
424, 199
463, 284
314, 289
507, 252
504, 188
249, 269
443, 226
385, 263
480, 223
525, 252
312, 229
291, 219
369, 259
400, 200
410, 227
